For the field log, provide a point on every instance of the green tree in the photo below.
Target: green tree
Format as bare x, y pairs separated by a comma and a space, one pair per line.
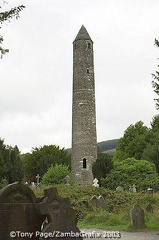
7, 16
14, 164
155, 123
102, 166
151, 152
142, 173
40, 159
56, 174
3, 166
11, 167
133, 142
155, 82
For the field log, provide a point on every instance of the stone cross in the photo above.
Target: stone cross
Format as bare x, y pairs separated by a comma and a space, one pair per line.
38, 181
59, 213
95, 183
38, 178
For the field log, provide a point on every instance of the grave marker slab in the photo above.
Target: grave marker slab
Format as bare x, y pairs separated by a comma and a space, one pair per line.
137, 217
18, 210
149, 208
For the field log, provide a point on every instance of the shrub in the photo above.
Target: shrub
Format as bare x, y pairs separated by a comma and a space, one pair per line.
142, 173
55, 174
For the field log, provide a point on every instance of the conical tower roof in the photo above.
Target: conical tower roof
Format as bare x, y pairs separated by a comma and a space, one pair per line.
83, 34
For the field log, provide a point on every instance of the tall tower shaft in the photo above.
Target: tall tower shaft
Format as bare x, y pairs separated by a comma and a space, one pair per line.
84, 141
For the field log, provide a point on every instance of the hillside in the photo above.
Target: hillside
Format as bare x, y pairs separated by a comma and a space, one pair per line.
108, 146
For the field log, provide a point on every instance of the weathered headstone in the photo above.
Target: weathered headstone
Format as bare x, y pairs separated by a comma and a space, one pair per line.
24, 216
93, 201
101, 202
67, 179
137, 217
57, 211
150, 190
98, 202
69, 212
149, 208
18, 211
119, 188
133, 188
33, 186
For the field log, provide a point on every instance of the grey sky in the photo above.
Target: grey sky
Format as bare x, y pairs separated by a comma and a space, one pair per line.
36, 76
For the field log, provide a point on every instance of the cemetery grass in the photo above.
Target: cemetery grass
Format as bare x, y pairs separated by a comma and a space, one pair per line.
118, 204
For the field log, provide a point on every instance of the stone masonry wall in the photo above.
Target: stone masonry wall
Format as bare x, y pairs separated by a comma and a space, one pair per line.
84, 143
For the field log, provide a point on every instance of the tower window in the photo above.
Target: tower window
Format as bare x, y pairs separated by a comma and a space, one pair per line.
84, 163
74, 46
89, 45
87, 70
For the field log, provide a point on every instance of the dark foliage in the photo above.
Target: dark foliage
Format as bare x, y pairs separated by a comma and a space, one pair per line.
102, 166
11, 168
41, 159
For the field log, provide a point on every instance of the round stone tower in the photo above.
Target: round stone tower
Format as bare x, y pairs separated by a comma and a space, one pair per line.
84, 141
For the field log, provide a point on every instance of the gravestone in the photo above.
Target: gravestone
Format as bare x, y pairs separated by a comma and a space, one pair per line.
22, 213
95, 182
38, 185
69, 212
150, 190
18, 211
132, 188
67, 179
149, 208
137, 217
33, 186
98, 202
59, 213
101, 202
119, 188
93, 201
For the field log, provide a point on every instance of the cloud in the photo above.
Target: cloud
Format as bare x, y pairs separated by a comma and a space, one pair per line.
36, 76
